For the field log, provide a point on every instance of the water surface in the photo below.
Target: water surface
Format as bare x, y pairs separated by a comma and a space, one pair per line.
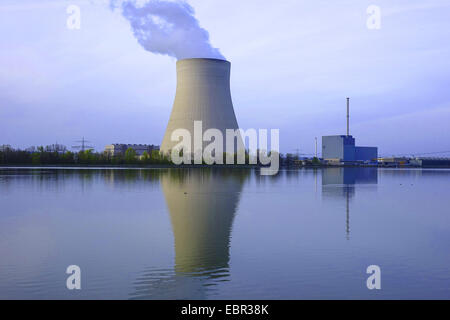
224, 233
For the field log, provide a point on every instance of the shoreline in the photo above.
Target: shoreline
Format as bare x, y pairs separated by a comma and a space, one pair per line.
215, 166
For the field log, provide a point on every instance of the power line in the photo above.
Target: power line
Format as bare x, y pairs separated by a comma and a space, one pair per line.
83, 145
433, 152
418, 154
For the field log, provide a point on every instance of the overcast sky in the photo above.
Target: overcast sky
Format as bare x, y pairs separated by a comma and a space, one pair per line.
293, 64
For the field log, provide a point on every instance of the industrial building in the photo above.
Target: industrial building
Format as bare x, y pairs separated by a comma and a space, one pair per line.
342, 148
120, 148
202, 94
394, 161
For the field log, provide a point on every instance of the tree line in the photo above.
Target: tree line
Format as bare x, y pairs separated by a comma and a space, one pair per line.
50, 156
42, 156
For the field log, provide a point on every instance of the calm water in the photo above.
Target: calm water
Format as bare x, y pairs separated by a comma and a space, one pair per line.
222, 234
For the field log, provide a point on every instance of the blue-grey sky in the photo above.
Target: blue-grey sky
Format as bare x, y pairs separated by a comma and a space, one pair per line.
293, 64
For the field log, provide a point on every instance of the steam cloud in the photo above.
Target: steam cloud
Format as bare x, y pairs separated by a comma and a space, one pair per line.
168, 27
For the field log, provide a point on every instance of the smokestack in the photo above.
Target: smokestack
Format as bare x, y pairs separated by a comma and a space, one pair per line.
316, 149
202, 94
348, 116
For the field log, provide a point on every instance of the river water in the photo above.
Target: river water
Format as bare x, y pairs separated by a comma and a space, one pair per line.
224, 233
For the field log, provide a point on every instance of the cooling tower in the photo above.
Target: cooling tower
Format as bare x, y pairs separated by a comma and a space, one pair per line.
203, 94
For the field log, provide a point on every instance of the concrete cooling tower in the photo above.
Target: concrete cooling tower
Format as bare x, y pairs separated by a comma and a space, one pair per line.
203, 93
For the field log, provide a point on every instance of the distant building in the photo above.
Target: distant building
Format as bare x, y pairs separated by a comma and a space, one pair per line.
366, 154
120, 148
431, 162
342, 149
393, 161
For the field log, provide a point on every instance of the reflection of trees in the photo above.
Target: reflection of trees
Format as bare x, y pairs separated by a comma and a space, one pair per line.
122, 177
51, 178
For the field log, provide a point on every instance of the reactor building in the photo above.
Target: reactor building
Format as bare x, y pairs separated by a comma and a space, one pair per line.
202, 94
342, 148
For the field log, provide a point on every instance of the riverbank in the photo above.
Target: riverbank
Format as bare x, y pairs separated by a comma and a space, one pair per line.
216, 166
130, 166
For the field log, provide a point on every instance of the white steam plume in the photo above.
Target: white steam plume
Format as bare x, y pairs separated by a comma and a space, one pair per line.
168, 27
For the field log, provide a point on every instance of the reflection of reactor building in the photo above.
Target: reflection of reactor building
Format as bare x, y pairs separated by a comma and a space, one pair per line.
202, 205
340, 183
346, 178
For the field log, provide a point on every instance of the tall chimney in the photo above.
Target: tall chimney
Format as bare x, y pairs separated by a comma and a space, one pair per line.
202, 94
348, 116
316, 148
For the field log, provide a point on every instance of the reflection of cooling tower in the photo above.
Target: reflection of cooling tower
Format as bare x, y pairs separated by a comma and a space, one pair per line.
202, 207
203, 94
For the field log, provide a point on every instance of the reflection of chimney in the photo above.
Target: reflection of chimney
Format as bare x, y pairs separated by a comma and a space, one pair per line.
202, 94
348, 116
